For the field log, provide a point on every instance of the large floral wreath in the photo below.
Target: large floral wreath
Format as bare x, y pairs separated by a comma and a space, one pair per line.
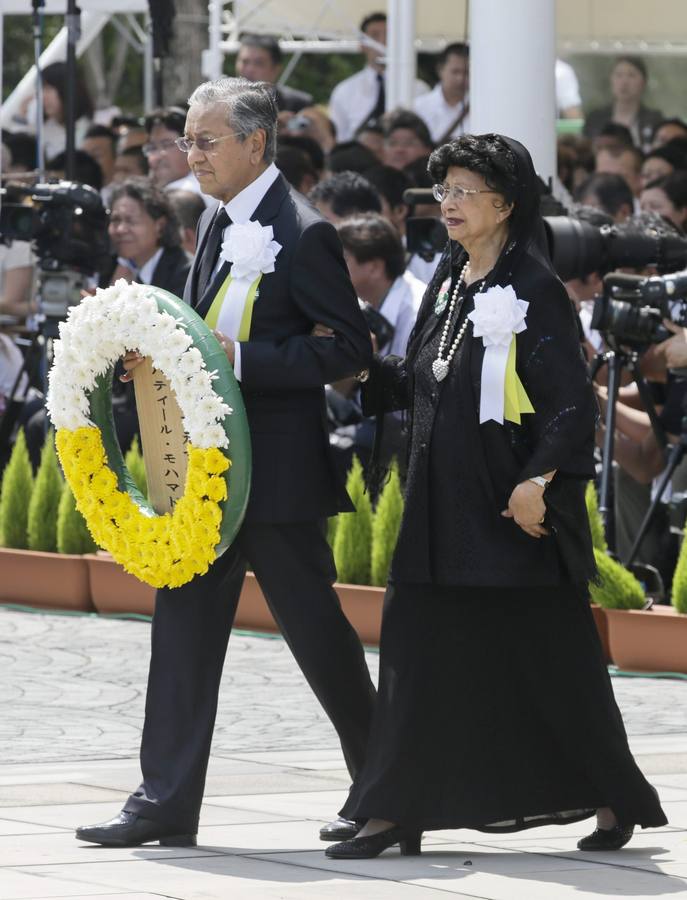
161, 550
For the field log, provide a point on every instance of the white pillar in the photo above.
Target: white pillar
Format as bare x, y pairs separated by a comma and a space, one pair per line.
400, 55
512, 74
213, 58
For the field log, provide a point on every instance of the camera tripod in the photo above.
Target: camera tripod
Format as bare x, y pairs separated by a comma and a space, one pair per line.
33, 371
675, 457
616, 359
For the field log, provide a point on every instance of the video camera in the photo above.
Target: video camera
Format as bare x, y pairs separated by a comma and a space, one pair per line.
578, 248
67, 224
378, 324
632, 308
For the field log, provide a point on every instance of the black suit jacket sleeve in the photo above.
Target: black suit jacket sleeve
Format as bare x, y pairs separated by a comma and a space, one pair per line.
555, 376
320, 287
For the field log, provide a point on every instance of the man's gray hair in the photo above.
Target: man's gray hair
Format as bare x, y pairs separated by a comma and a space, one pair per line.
250, 105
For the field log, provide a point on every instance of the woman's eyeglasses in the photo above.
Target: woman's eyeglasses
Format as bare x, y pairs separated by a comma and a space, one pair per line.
441, 192
205, 145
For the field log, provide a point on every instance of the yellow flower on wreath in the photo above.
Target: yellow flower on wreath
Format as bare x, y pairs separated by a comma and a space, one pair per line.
163, 551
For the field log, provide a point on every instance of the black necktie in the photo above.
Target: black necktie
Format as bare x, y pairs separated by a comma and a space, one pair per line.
212, 247
381, 98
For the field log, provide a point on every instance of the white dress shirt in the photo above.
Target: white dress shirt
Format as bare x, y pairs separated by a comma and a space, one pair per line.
353, 100
240, 209
438, 115
145, 273
567, 87
400, 308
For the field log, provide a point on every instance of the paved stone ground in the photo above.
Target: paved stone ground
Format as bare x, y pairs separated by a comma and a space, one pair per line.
71, 706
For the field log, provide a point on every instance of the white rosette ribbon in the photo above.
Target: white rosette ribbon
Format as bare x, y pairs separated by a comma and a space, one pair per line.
497, 317
252, 251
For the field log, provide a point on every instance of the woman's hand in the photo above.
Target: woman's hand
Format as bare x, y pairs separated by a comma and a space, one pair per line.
526, 505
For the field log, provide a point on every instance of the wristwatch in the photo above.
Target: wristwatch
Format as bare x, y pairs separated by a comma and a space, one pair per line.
540, 480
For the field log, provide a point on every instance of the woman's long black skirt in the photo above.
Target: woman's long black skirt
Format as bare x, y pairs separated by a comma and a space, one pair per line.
495, 712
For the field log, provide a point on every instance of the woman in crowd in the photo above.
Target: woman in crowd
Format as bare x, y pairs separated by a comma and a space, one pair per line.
628, 82
668, 197
145, 233
495, 708
54, 78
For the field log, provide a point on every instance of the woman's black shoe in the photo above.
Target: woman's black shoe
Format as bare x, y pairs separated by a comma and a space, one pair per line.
607, 838
373, 844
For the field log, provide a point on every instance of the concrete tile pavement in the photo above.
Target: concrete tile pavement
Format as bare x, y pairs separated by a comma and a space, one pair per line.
71, 704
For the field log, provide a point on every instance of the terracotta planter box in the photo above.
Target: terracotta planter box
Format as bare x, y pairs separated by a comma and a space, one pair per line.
601, 623
44, 580
652, 640
116, 591
361, 604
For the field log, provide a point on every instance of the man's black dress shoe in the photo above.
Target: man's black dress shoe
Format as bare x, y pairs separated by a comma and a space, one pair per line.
129, 830
373, 844
607, 838
340, 830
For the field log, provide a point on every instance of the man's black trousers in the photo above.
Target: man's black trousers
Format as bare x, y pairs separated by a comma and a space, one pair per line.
294, 567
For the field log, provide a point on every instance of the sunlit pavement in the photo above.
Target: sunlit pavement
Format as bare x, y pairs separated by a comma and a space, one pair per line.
71, 706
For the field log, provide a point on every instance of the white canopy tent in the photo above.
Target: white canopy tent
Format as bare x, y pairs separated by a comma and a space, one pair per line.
599, 26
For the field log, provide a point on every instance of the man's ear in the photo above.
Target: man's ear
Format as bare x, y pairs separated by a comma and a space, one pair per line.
258, 139
377, 268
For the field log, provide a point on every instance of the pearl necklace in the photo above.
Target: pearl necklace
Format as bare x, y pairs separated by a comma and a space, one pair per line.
441, 365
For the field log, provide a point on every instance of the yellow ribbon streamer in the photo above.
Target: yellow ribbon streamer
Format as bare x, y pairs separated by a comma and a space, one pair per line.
516, 401
212, 316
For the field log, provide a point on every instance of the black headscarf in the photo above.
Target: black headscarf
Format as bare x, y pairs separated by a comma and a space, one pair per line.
526, 227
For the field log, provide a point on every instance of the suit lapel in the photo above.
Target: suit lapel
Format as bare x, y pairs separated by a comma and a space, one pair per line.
203, 230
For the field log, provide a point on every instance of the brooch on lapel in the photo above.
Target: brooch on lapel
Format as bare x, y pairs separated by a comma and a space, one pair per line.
442, 297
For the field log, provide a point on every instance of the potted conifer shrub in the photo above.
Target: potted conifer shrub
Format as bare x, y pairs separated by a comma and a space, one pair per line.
599, 542
32, 572
361, 602
653, 639
113, 589
643, 638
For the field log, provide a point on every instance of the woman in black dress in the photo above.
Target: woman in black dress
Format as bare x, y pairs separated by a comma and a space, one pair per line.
495, 708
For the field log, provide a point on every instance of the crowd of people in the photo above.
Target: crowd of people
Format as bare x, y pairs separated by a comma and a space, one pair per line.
356, 163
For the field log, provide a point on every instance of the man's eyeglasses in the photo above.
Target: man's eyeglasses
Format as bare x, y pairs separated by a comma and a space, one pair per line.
205, 145
441, 191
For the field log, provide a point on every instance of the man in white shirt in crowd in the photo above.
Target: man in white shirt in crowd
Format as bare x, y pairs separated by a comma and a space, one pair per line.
446, 108
392, 184
168, 166
375, 258
363, 95
568, 100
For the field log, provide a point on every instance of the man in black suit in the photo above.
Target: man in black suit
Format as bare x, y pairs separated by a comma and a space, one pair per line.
283, 367
260, 59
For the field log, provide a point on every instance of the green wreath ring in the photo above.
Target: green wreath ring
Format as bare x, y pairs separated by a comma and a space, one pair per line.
161, 550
